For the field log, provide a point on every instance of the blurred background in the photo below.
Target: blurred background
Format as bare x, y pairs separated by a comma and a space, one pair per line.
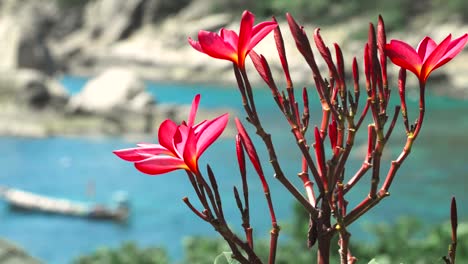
81, 78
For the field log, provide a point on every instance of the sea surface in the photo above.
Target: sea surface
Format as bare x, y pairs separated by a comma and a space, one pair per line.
85, 169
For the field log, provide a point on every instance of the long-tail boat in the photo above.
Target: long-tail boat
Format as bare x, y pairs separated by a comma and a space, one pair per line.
31, 202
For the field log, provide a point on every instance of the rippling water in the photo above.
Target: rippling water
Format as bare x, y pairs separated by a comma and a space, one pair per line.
65, 167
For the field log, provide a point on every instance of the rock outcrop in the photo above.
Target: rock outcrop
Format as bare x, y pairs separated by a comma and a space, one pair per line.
32, 90
12, 254
120, 97
114, 103
116, 89
150, 38
23, 31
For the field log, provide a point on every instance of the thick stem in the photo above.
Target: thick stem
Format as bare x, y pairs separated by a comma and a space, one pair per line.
274, 233
324, 236
344, 244
323, 254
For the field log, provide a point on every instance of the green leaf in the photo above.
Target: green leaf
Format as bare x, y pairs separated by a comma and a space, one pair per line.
225, 258
373, 261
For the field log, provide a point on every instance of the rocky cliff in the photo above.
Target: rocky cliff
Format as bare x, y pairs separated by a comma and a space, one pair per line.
149, 39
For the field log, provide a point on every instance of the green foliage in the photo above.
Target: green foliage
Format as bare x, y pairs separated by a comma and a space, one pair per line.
396, 13
405, 241
331, 11
225, 258
201, 250
452, 8
408, 242
71, 3
127, 253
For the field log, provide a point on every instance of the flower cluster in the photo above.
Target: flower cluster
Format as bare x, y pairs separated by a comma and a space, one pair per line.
227, 45
181, 145
427, 57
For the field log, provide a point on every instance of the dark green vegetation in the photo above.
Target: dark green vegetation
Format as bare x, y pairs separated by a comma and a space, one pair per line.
406, 241
71, 3
127, 253
397, 13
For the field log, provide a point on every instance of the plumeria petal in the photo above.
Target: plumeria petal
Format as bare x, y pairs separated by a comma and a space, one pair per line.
180, 138
432, 60
166, 133
228, 45
211, 132
230, 37
200, 126
160, 164
455, 47
260, 31
193, 110
180, 145
403, 55
213, 45
431, 56
136, 154
195, 44
190, 151
245, 34
425, 48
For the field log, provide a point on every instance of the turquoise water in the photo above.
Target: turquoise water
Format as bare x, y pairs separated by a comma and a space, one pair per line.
65, 167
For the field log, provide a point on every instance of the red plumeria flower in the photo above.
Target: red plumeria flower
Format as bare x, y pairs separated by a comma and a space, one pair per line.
180, 146
227, 45
427, 57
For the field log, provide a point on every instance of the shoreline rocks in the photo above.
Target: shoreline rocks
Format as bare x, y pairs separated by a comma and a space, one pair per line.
23, 34
159, 51
114, 103
136, 40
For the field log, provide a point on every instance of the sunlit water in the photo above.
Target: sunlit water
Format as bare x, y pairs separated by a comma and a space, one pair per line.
66, 167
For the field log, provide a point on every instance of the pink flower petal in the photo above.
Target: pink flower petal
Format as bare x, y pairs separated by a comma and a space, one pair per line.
130, 154
431, 62
245, 33
190, 151
166, 133
195, 44
180, 138
455, 47
137, 154
213, 45
200, 126
160, 164
260, 31
193, 110
230, 37
211, 132
404, 56
425, 48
